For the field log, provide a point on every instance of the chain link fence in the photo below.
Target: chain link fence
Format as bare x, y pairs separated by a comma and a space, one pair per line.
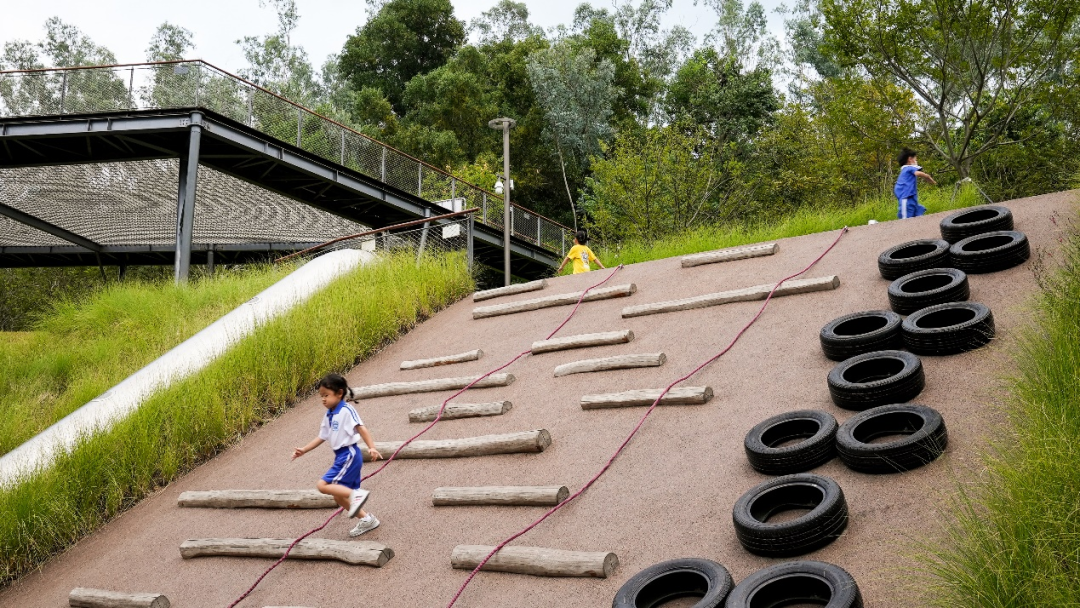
453, 236
191, 84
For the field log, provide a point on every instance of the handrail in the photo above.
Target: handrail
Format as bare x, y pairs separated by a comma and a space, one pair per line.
408, 224
297, 106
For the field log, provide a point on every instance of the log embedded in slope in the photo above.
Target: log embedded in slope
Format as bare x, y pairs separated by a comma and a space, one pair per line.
582, 341
609, 363
430, 386
359, 553
758, 292
566, 299
84, 597
487, 294
454, 411
256, 499
688, 395
537, 561
544, 496
525, 442
471, 355
729, 255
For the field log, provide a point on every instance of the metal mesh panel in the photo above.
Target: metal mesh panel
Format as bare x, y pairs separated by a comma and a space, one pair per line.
135, 203
190, 84
16, 234
433, 240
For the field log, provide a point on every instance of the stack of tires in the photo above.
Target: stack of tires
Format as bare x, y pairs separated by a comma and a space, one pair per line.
878, 373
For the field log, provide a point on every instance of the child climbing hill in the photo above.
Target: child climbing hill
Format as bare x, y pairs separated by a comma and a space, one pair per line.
580, 255
907, 185
342, 427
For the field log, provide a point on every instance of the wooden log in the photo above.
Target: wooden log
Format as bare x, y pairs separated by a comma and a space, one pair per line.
84, 597
680, 395
758, 292
582, 341
537, 561
455, 411
429, 386
472, 355
609, 363
257, 499
525, 442
487, 294
730, 254
361, 553
522, 496
565, 299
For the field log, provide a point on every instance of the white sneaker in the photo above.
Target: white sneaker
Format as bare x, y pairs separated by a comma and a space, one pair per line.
357, 500
366, 524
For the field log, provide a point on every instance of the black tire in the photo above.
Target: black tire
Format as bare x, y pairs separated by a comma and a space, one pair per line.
906, 258
824, 523
878, 378
663, 582
794, 583
976, 220
991, 252
948, 329
923, 431
860, 332
924, 288
817, 429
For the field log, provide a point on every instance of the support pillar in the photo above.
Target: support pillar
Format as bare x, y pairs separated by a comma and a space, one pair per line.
185, 208
469, 227
423, 237
210, 262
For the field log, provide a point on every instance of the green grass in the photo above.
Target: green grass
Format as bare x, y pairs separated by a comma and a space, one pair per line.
803, 221
194, 419
81, 348
1013, 539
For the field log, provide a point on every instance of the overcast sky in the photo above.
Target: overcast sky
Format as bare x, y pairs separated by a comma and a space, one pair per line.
125, 26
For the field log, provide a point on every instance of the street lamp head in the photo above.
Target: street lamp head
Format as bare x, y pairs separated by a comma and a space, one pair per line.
499, 123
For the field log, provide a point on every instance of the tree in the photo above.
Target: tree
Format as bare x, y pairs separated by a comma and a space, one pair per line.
975, 64
170, 43
742, 33
506, 21
576, 94
405, 38
275, 64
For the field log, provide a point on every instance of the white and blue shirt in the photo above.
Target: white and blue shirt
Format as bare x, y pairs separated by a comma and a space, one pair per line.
339, 426
906, 186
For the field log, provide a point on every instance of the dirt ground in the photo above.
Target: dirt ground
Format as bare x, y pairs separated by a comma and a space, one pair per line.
670, 494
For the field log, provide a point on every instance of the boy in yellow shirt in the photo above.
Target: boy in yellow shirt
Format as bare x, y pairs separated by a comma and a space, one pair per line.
580, 254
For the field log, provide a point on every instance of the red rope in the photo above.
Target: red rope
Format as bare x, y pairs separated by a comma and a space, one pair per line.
438, 417
640, 423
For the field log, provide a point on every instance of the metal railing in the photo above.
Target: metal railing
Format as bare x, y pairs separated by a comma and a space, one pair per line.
189, 84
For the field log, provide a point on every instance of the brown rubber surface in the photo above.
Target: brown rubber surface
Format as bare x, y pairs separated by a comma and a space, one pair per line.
670, 494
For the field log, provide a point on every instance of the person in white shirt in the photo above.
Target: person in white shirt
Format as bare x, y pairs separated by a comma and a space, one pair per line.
342, 427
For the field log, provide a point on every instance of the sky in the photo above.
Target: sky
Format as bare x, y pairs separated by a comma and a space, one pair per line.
125, 26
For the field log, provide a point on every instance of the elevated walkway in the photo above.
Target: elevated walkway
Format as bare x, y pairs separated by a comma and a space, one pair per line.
208, 118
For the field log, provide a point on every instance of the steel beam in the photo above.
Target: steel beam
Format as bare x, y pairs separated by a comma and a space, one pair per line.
53, 229
185, 208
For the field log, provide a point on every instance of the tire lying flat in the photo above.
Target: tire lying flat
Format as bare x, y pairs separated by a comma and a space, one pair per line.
948, 329
909, 257
877, 378
991, 252
797, 582
824, 523
817, 430
923, 438
666, 581
924, 288
860, 332
976, 220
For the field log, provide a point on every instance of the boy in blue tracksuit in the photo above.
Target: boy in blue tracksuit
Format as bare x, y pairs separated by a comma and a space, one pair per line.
907, 189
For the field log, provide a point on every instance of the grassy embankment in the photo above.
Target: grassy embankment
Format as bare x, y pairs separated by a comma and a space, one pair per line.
189, 422
1013, 539
804, 221
82, 348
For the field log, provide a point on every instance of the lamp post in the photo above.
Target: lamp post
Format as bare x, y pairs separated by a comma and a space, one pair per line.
505, 124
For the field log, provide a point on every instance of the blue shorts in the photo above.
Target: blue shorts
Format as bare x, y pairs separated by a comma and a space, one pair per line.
909, 207
346, 469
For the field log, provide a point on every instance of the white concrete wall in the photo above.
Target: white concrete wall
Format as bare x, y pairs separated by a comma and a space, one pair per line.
189, 357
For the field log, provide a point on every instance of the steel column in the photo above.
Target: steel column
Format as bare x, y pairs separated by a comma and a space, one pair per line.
469, 240
423, 237
185, 207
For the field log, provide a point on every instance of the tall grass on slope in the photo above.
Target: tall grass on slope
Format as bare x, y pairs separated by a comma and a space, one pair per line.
808, 220
1013, 540
82, 348
193, 420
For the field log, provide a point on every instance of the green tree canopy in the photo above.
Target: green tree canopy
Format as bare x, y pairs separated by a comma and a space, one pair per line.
404, 39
